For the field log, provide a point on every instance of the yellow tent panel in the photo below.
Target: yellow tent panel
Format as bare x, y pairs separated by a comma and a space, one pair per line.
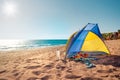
93, 43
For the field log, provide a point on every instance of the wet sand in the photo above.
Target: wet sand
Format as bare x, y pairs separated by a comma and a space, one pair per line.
42, 64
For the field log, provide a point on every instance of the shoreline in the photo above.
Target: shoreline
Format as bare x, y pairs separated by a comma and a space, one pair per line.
35, 48
10, 45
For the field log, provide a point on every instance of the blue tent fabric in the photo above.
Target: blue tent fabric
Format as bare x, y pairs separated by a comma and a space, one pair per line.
77, 44
96, 31
78, 39
89, 26
94, 28
74, 37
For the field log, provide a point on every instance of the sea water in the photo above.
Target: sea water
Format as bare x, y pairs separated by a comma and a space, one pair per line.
6, 45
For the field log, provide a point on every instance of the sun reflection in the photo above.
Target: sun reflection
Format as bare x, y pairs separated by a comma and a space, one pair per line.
10, 43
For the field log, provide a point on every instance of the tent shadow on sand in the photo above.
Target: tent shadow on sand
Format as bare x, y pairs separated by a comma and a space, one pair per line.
113, 60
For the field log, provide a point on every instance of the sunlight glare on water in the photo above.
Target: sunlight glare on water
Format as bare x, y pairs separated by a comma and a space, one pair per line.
10, 43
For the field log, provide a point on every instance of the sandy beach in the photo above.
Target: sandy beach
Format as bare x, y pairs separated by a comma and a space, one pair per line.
42, 64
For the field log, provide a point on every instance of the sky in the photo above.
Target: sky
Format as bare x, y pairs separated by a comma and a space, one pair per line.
55, 19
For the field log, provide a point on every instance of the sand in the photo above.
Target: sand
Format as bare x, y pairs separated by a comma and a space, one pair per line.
42, 64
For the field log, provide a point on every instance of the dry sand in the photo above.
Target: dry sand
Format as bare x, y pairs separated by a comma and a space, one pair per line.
42, 64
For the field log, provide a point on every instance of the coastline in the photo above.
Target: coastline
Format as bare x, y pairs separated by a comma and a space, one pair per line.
27, 49
42, 64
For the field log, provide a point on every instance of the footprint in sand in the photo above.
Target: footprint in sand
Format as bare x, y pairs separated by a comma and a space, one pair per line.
90, 78
71, 76
3, 79
103, 71
107, 71
106, 75
16, 74
33, 78
32, 67
20, 75
46, 77
49, 66
61, 67
69, 70
2, 71
36, 72
116, 76
14, 71
58, 74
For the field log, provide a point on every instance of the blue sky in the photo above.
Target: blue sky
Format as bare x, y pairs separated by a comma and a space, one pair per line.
55, 19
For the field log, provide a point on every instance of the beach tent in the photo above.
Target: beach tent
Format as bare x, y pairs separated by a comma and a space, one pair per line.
88, 40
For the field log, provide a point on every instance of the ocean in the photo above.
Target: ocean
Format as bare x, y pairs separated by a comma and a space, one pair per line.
7, 45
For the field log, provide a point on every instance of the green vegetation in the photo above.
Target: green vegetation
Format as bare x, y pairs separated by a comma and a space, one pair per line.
119, 31
111, 35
